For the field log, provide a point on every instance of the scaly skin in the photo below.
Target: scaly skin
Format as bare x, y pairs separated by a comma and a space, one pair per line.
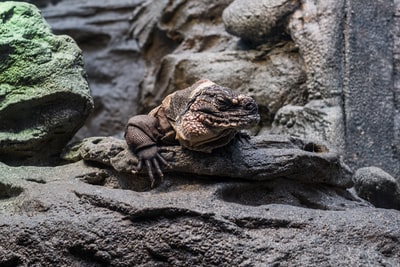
203, 117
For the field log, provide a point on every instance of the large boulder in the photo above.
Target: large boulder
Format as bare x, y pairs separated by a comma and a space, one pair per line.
378, 187
44, 94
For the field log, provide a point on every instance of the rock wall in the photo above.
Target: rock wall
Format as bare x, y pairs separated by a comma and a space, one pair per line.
371, 89
309, 68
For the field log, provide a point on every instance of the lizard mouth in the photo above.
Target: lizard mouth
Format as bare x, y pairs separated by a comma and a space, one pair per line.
237, 119
220, 107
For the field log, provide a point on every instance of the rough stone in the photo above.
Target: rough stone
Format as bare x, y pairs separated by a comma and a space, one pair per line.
318, 120
44, 94
187, 221
317, 29
263, 159
182, 25
378, 187
258, 21
396, 79
371, 108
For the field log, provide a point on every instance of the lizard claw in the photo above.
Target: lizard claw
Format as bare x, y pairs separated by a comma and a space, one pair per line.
152, 159
163, 160
243, 137
150, 172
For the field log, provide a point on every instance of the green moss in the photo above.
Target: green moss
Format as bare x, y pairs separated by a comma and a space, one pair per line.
35, 61
29, 52
22, 19
25, 135
25, 60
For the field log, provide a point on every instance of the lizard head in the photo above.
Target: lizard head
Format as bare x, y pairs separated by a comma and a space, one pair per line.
219, 107
206, 115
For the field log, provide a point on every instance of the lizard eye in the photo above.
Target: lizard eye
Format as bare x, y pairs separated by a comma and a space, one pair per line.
223, 102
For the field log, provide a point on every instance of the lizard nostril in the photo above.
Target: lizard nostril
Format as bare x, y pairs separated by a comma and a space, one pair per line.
250, 106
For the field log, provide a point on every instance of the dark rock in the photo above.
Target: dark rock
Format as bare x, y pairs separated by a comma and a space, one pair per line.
371, 91
187, 221
263, 159
316, 31
377, 187
44, 95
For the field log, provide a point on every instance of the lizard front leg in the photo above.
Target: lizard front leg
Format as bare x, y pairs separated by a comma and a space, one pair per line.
141, 135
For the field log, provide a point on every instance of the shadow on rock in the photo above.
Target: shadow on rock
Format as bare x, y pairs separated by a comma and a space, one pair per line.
283, 191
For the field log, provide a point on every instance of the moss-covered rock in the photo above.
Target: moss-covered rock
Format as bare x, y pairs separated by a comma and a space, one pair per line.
44, 94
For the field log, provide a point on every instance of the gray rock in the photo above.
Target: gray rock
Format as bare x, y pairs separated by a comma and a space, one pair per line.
372, 89
318, 120
378, 187
258, 21
317, 29
263, 159
188, 221
44, 94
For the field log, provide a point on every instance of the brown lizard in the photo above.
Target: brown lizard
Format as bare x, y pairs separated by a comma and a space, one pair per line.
201, 117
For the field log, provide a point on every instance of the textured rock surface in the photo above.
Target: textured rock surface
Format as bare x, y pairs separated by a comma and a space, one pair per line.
372, 104
261, 159
318, 120
317, 28
44, 95
187, 221
377, 187
260, 21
